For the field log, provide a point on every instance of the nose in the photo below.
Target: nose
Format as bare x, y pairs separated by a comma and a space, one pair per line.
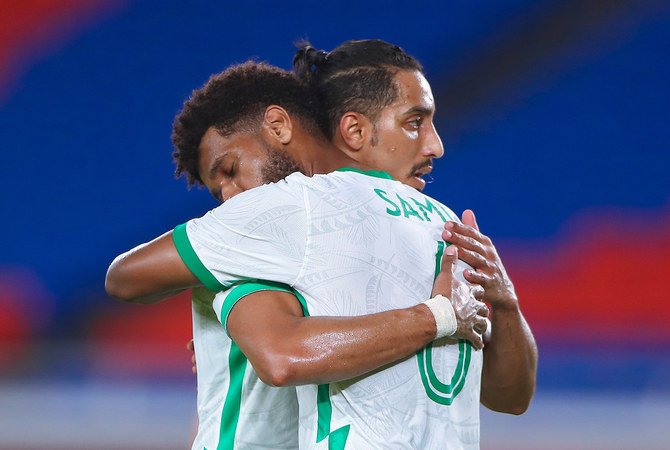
229, 190
432, 145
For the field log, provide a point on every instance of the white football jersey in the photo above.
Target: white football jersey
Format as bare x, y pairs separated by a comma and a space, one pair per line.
236, 410
349, 243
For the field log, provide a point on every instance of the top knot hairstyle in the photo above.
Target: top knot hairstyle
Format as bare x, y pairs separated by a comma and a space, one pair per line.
356, 76
234, 101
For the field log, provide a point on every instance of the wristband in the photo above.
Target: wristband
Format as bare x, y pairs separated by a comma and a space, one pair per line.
445, 317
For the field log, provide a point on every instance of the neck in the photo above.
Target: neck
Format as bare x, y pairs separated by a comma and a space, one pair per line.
318, 156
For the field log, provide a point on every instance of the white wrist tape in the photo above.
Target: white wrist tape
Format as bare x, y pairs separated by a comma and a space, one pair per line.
445, 317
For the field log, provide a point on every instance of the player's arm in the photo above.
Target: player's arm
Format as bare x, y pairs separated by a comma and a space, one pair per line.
238, 240
287, 348
149, 273
218, 249
510, 356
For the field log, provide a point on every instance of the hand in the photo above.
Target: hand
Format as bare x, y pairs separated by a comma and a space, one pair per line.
477, 250
191, 347
470, 312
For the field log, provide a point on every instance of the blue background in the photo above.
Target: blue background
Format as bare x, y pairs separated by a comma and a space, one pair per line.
554, 116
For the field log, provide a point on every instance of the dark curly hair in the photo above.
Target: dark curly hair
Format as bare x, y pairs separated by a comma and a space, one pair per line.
234, 101
356, 76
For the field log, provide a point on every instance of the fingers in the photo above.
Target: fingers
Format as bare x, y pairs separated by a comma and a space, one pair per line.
466, 231
475, 336
481, 326
443, 281
469, 219
482, 311
480, 307
474, 259
463, 229
477, 278
466, 243
477, 292
475, 339
449, 258
455, 236
190, 346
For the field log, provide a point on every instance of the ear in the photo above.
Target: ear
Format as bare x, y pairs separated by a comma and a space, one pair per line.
355, 129
277, 123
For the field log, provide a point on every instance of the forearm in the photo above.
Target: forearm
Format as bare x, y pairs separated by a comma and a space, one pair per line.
149, 273
510, 363
319, 350
510, 353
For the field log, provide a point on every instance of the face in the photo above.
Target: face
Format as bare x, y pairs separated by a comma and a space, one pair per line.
404, 140
233, 164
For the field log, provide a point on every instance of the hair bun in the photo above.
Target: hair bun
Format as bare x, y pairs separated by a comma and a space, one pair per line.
318, 57
307, 61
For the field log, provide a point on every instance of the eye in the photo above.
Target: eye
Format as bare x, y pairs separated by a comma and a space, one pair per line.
229, 168
415, 123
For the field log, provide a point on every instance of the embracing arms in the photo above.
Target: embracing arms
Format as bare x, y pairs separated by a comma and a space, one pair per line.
149, 273
510, 356
286, 348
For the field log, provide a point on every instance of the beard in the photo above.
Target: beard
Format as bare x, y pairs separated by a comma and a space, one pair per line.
279, 165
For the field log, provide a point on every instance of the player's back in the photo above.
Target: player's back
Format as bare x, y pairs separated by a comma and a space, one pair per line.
374, 245
349, 243
235, 409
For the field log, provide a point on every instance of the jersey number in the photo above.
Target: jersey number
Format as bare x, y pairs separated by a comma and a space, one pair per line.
437, 390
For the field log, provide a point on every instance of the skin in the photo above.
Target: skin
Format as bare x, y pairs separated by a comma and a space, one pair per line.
247, 162
286, 348
231, 164
154, 271
405, 126
389, 336
282, 361
403, 141
510, 359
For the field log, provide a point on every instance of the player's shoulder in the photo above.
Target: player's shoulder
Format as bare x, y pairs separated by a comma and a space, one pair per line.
349, 179
345, 176
404, 200
268, 196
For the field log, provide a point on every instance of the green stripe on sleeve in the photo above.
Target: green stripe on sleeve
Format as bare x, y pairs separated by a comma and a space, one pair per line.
190, 258
237, 362
336, 438
241, 290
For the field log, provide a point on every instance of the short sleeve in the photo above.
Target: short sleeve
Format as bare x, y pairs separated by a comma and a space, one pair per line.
224, 301
259, 234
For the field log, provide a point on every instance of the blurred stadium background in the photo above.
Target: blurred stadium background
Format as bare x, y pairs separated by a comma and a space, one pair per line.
554, 115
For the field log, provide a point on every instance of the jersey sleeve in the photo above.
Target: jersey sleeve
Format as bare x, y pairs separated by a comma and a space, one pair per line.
259, 234
224, 301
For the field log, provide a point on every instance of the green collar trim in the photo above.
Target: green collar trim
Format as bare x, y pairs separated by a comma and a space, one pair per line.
371, 173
